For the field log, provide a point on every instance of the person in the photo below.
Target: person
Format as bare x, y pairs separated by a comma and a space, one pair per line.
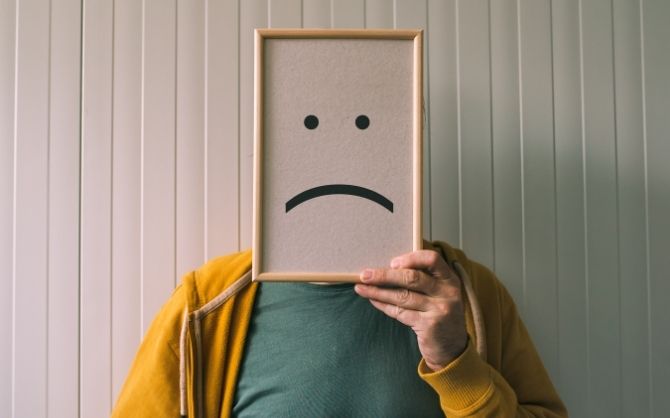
434, 334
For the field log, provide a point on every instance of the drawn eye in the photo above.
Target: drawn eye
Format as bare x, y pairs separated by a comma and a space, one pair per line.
311, 122
362, 122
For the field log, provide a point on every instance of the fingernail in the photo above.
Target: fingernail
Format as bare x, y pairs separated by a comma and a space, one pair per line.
395, 263
366, 275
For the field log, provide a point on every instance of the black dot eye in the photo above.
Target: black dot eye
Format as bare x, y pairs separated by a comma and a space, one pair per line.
362, 122
311, 122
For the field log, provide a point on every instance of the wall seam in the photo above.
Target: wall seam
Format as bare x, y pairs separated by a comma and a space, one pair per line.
82, 26
48, 208
646, 212
492, 142
585, 203
618, 202
458, 123
524, 281
111, 209
175, 140
14, 196
239, 133
555, 172
427, 143
205, 177
142, 113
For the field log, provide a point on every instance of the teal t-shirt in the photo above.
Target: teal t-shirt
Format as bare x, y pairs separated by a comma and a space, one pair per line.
323, 351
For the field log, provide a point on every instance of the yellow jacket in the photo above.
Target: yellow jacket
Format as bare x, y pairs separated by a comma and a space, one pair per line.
191, 355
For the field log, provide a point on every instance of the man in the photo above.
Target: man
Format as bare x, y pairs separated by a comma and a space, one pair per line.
223, 345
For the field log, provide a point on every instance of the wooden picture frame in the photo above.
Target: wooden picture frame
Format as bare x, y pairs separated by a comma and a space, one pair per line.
321, 78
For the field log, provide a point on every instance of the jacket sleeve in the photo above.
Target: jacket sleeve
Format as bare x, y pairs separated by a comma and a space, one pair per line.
153, 379
470, 387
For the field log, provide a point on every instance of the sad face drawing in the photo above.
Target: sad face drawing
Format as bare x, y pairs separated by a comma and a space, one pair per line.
362, 122
337, 151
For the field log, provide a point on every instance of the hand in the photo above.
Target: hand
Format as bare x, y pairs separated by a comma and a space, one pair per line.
426, 296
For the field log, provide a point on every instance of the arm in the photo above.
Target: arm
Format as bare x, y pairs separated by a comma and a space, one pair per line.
427, 297
471, 387
153, 379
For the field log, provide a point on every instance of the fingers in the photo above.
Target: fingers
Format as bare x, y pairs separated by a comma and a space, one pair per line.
404, 316
401, 297
408, 279
428, 260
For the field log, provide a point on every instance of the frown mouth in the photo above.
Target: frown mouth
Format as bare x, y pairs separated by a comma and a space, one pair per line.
347, 189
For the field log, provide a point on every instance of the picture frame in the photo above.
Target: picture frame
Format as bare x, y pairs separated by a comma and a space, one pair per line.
328, 230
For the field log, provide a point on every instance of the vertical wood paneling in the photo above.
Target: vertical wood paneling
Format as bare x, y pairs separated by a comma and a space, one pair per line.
96, 204
253, 14
222, 113
476, 192
284, 13
601, 201
537, 135
414, 15
656, 14
572, 328
506, 147
347, 13
444, 168
158, 156
631, 204
63, 223
316, 13
190, 151
7, 80
378, 14
126, 153
546, 145
31, 210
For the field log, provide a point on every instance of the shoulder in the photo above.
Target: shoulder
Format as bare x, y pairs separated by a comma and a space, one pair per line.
491, 293
209, 280
483, 279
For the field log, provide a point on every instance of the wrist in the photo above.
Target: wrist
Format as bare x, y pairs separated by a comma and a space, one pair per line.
454, 353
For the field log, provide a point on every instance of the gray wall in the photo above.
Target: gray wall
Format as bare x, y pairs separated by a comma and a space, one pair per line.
125, 161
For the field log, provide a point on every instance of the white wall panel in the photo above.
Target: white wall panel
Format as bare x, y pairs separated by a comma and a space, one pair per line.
630, 163
378, 14
222, 132
30, 331
316, 13
347, 13
63, 269
284, 13
7, 83
546, 159
474, 112
538, 181
126, 113
158, 155
570, 211
96, 207
411, 15
656, 61
442, 62
190, 125
603, 279
506, 130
